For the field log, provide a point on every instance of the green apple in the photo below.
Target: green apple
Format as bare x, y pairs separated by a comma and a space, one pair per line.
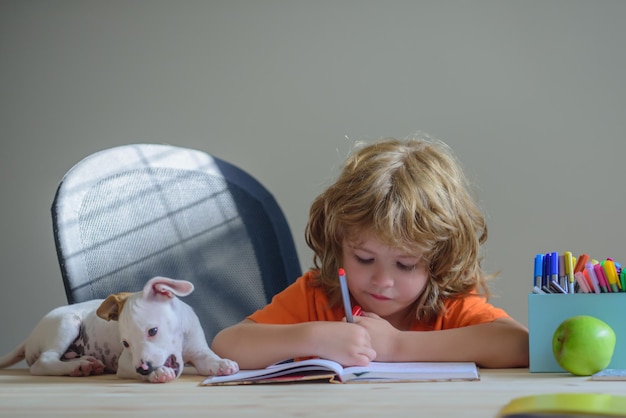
583, 345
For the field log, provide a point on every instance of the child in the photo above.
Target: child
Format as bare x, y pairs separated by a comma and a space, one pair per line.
400, 221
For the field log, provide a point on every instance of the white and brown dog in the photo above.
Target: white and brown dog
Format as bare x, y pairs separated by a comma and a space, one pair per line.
149, 334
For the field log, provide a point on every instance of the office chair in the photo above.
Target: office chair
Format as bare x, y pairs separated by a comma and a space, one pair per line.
128, 213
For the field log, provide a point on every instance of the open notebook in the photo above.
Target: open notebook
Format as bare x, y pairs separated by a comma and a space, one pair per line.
330, 371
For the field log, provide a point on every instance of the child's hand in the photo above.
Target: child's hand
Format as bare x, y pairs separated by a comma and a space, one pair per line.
383, 335
347, 344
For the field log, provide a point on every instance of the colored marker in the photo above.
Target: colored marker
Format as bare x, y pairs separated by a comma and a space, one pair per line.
592, 276
562, 275
611, 274
538, 270
545, 271
618, 268
554, 267
556, 287
345, 294
580, 262
569, 269
582, 283
604, 283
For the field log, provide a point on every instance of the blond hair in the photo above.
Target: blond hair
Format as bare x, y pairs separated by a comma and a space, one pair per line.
412, 195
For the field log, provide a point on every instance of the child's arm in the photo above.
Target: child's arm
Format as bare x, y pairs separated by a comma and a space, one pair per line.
255, 346
502, 343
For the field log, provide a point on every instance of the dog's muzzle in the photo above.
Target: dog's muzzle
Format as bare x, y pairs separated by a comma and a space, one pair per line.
146, 367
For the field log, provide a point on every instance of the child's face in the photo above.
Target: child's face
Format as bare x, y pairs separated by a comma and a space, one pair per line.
382, 279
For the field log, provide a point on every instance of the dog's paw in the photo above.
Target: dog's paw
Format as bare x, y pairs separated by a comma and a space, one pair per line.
162, 375
87, 366
224, 367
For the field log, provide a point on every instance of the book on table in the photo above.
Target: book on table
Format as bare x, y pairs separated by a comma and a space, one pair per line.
327, 370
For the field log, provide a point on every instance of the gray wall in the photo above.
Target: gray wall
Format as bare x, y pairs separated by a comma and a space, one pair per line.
530, 94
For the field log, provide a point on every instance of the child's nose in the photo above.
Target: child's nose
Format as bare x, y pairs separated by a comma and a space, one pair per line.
382, 278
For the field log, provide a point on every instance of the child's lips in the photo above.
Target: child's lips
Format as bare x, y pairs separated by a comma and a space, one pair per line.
379, 297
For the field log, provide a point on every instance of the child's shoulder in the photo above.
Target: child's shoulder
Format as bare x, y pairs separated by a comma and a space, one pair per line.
472, 308
308, 277
309, 282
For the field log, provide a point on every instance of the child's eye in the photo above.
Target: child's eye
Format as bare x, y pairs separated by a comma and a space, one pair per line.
404, 267
364, 260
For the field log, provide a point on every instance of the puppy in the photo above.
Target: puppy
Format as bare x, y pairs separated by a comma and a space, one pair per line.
148, 335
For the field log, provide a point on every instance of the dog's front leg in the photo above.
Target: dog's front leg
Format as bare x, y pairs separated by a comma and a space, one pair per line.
162, 375
125, 369
207, 363
197, 352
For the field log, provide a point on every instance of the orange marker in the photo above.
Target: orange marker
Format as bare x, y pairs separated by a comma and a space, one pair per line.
580, 262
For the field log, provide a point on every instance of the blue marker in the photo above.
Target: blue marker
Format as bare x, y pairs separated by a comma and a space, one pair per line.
538, 270
544, 270
554, 267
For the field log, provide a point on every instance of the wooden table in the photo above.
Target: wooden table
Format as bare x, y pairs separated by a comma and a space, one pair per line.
105, 396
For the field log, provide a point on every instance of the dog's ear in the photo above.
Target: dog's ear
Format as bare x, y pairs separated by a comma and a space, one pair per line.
111, 308
162, 286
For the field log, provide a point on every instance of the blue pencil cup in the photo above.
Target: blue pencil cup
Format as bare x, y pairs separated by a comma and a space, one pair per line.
546, 312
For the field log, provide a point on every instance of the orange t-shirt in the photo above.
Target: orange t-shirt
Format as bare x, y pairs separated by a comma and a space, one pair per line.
302, 302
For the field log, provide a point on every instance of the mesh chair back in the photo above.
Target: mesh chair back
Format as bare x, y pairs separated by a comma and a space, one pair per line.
126, 214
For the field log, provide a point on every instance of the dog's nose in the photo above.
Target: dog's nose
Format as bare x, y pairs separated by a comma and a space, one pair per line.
145, 368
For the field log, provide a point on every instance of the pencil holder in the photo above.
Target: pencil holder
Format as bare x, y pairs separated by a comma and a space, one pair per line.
546, 312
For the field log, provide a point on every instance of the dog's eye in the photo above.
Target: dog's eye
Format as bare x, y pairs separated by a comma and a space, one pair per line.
125, 343
153, 331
